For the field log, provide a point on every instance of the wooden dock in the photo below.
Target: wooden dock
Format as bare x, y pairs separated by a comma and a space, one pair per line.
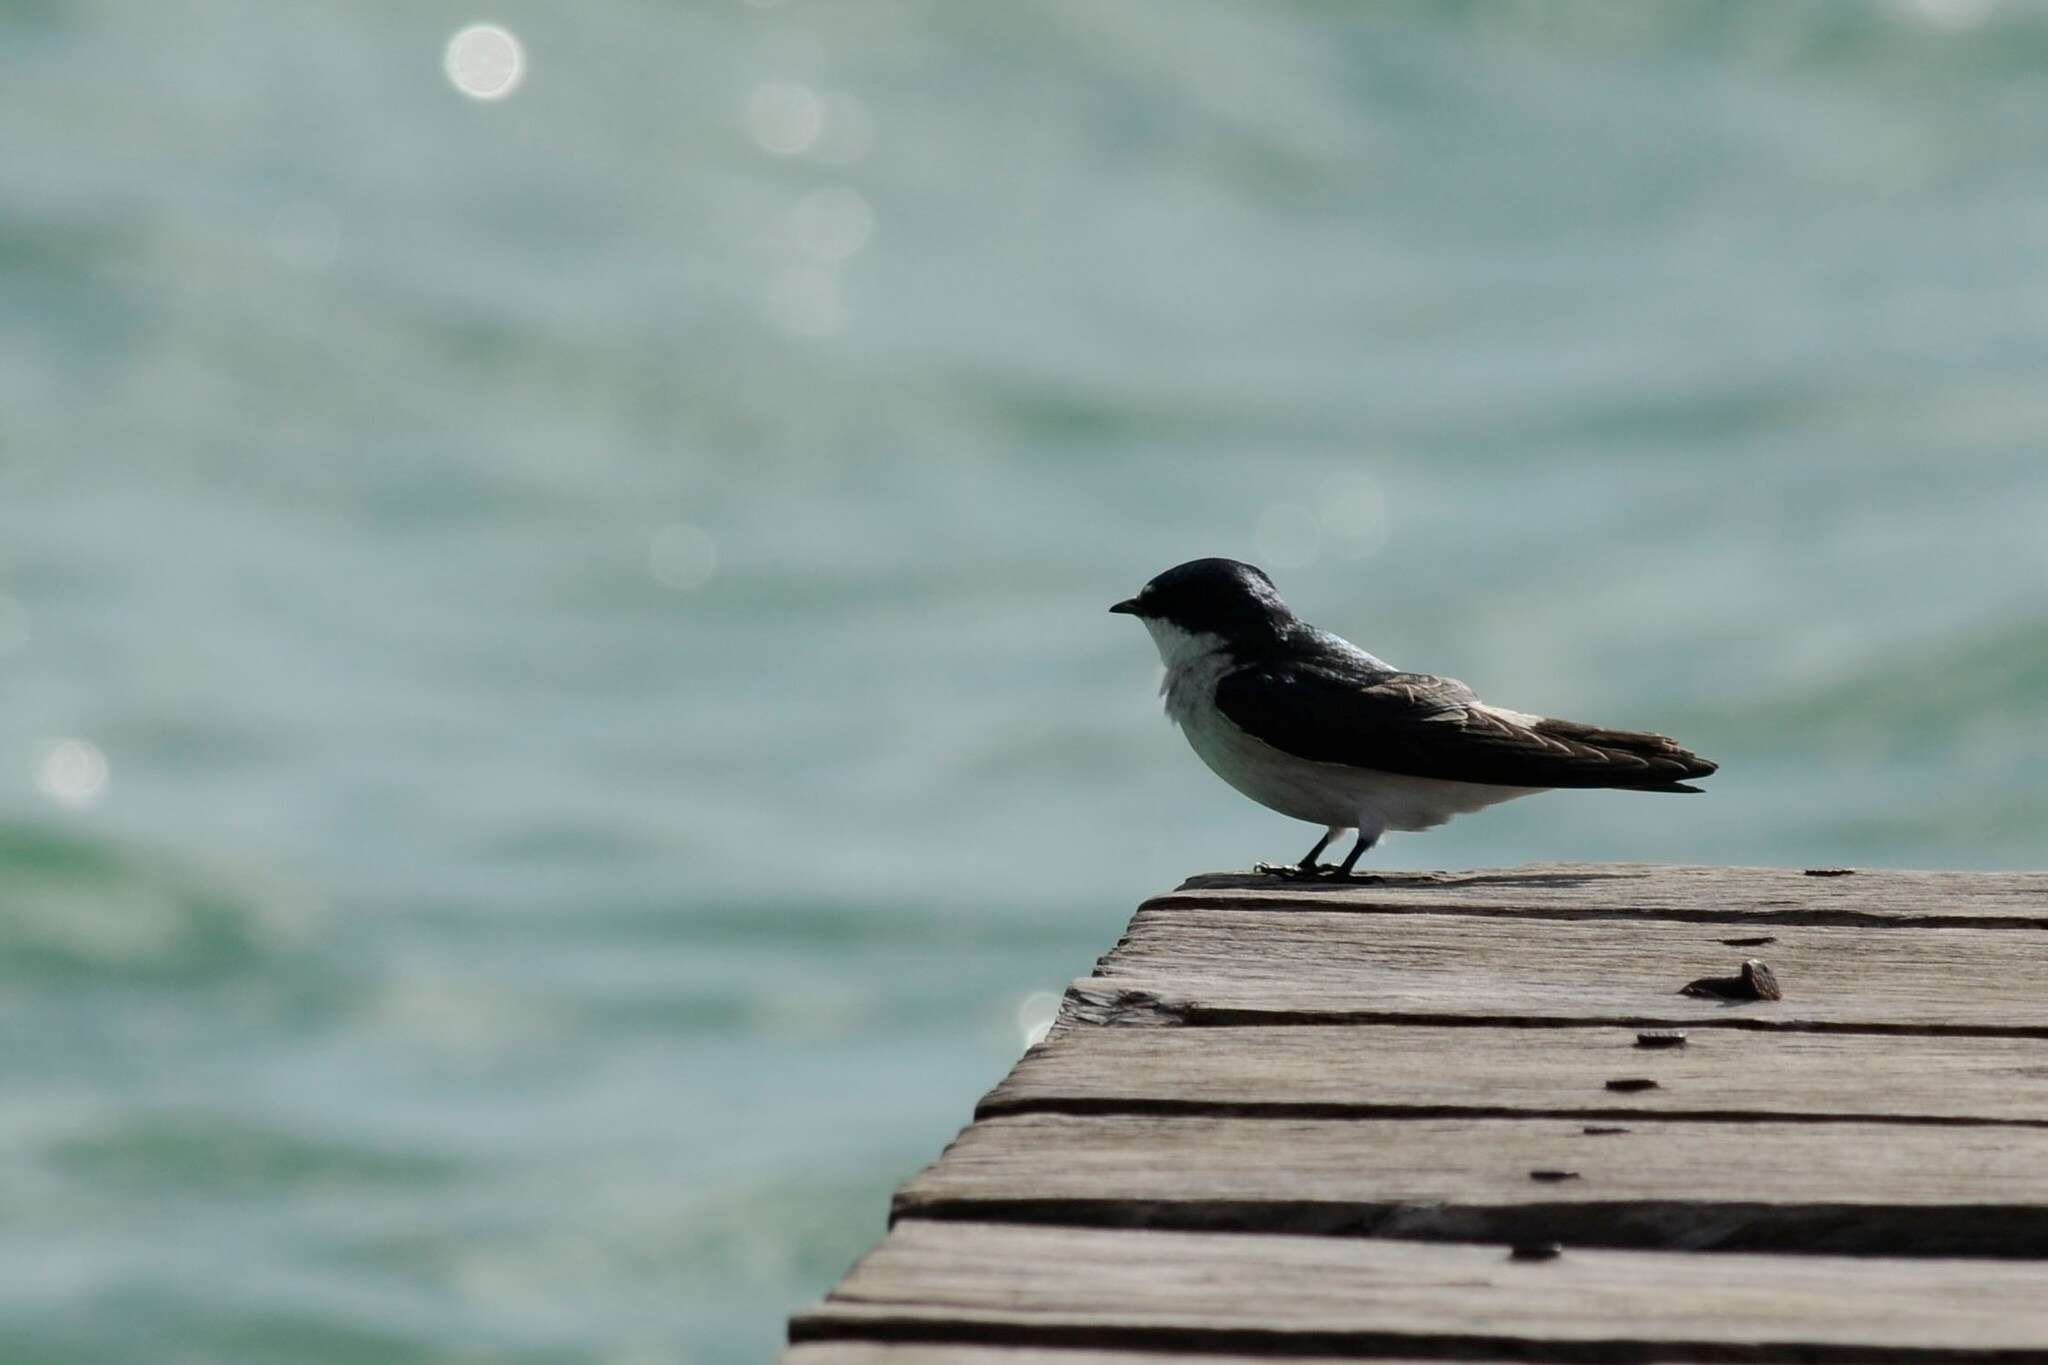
1444, 1116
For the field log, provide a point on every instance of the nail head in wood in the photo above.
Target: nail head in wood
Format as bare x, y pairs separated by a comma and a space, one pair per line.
1755, 981
1536, 1251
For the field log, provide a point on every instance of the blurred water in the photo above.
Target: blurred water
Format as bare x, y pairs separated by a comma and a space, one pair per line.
559, 697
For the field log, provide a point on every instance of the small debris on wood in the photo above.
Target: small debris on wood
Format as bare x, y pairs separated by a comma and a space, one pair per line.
1602, 1130
1536, 1251
1757, 982
1757, 942
1631, 1083
1830, 871
1553, 1175
1671, 1038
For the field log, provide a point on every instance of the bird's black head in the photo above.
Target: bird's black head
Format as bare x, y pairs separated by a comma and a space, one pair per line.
1220, 597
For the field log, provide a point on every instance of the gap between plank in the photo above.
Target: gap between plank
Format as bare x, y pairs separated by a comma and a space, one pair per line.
968, 1331
1815, 918
1099, 1106
1130, 1008
1920, 1231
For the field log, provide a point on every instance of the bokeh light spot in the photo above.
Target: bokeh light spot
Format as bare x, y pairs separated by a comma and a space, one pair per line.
1035, 1015
1288, 536
73, 773
682, 557
484, 62
832, 224
785, 117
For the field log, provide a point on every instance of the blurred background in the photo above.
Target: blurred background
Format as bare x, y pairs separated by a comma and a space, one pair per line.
561, 721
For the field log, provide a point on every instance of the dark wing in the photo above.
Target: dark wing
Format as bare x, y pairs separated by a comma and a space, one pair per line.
1422, 726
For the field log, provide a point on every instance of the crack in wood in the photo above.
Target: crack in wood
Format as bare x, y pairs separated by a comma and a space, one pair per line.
1984, 1231
1125, 1012
1800, 916
998, 1106
1204, 1341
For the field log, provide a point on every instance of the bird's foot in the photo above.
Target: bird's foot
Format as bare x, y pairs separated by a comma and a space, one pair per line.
1311, 872
1290, 872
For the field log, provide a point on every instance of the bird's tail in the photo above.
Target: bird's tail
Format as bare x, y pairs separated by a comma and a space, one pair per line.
1669, 760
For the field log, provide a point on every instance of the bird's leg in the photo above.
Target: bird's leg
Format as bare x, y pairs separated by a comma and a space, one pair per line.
1308, 860
1366, 839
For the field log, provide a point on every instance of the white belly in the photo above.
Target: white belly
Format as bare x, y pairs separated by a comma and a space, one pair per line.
1330, 793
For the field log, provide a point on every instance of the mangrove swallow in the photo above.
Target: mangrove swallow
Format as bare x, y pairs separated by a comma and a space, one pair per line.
1312, 726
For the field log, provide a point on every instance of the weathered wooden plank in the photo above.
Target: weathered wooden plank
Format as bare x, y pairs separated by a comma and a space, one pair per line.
1852, 1188
1478, 1071
1185, 965
1894, 1101
1764, 895
1007, 1283
911, 1353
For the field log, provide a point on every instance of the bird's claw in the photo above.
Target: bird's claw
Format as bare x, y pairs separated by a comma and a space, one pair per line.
1317, 872
1289, 872
1311, 872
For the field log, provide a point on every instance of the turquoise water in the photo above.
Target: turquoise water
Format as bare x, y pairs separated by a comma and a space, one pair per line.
560, 712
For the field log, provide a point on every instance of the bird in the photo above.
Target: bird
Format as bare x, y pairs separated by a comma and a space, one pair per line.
1308, 724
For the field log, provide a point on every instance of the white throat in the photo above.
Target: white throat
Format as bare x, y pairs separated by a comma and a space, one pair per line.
1194, 661
1179, 648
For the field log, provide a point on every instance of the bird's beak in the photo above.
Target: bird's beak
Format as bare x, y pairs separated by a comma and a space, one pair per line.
1127, 607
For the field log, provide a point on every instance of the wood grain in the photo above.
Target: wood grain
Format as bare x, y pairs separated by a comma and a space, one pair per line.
1751, 895
996, 1283
1244, 966
1427, 1071
910, 1353
1850, 1188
